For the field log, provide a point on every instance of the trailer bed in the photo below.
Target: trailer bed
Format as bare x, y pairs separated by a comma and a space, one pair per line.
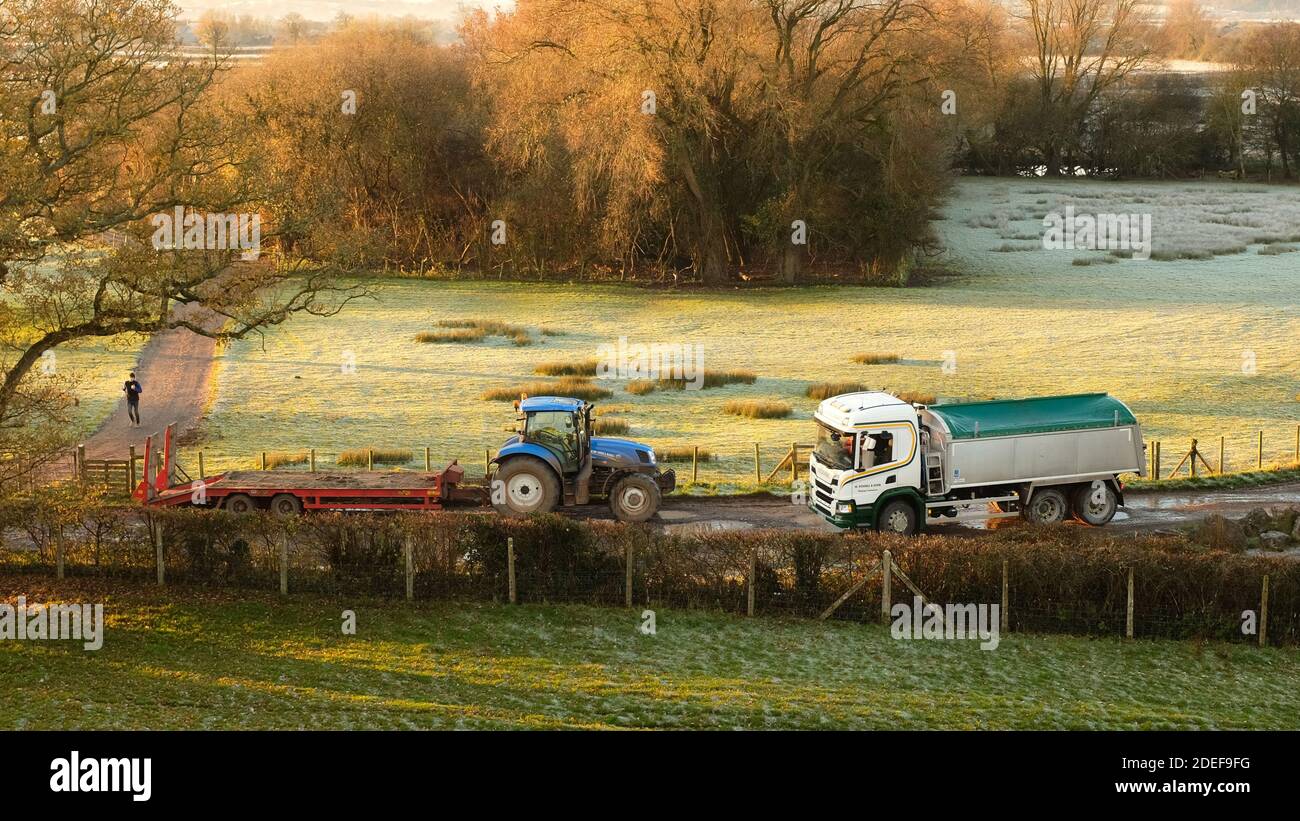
326, 480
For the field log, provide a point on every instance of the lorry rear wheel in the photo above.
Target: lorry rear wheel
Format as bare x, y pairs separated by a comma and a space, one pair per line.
635, 498
239, 503
1047, 506
897, 517
286, 504
524, 485
1095, 505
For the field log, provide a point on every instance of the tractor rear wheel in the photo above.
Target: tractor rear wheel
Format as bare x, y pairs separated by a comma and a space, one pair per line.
635, 498
525, 485
239, 503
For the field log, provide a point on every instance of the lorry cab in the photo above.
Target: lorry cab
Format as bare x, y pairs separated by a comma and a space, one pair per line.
868, 453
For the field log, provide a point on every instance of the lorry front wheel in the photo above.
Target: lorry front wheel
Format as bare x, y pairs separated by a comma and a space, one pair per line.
524, 485
897, 517
1095, 503
635, 498
1047, 506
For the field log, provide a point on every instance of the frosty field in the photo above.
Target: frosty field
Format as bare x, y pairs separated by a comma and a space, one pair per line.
173, 659
1197, 347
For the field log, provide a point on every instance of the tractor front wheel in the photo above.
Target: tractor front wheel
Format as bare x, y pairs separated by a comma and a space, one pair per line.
635, 498
525, 485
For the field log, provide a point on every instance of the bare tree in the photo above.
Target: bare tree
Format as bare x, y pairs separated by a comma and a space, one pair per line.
1081, 49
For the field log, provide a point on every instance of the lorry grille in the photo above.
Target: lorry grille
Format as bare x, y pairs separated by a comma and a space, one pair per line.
823, 497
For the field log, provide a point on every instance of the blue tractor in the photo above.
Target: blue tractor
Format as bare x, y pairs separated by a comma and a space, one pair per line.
555, 460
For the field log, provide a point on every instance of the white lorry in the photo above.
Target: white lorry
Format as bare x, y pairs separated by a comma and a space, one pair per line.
886, 464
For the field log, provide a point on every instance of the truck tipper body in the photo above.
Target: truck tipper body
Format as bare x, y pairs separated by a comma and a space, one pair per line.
886, 464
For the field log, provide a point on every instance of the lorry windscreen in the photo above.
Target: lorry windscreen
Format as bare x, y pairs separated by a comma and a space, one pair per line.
834, 449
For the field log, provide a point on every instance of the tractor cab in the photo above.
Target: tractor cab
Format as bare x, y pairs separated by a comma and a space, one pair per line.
554, 459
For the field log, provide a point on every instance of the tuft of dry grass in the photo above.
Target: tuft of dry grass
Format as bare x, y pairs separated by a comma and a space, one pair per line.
453, 335
570, 367
757, 408
825, 390
547, 330
610, 410
279, 460
875, 358
681, 453
602, 426
640, 387
578, 387
475, 330
919, 397
712, 379
382, 456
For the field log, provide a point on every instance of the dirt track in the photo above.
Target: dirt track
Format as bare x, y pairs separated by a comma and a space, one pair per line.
174, 370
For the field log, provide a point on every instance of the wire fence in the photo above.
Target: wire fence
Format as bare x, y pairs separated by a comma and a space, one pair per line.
1049, 580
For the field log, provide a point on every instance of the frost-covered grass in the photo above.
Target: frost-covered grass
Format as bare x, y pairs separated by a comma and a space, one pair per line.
1196, 347
210, 661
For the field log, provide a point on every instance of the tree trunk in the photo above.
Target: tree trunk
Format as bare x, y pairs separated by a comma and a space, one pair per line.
791, 270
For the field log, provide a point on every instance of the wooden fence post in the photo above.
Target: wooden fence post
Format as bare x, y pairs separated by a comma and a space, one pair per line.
263, 465
886, 585
1260, 461
510, 567
753, 579
487, 461
1156, 473
627, 576
311, 460
1221, 438
409, 549
1263, 613
370, 459
1297, 444
1128, 621
695, 464
428, 465
158, 551
130, 470
1005, 626
284, 565
202, 473
58, 551
758, 471
81, 462
794, 462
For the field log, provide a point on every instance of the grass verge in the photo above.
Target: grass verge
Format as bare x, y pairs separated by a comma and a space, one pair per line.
176, 659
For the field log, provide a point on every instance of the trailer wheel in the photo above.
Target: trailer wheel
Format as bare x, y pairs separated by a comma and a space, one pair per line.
897, 517
525, 485
635, 498
1047, 506
286, 505
1095, 505
239, 503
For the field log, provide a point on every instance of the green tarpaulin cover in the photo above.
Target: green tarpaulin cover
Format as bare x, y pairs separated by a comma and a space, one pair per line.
1007, 417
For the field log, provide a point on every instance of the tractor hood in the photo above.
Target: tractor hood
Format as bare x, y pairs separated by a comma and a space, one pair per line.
620, 452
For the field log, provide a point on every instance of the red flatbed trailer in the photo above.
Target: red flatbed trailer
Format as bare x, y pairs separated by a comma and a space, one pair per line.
288, 492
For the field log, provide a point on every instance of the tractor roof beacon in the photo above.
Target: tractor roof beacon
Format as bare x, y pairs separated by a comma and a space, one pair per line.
555, 460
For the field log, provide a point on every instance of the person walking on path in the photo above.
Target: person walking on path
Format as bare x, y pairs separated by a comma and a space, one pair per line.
133, 391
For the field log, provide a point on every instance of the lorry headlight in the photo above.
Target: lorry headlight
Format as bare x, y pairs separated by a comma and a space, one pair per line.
844, 507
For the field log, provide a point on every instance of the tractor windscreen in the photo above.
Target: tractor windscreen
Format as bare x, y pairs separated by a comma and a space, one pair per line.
834, 448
